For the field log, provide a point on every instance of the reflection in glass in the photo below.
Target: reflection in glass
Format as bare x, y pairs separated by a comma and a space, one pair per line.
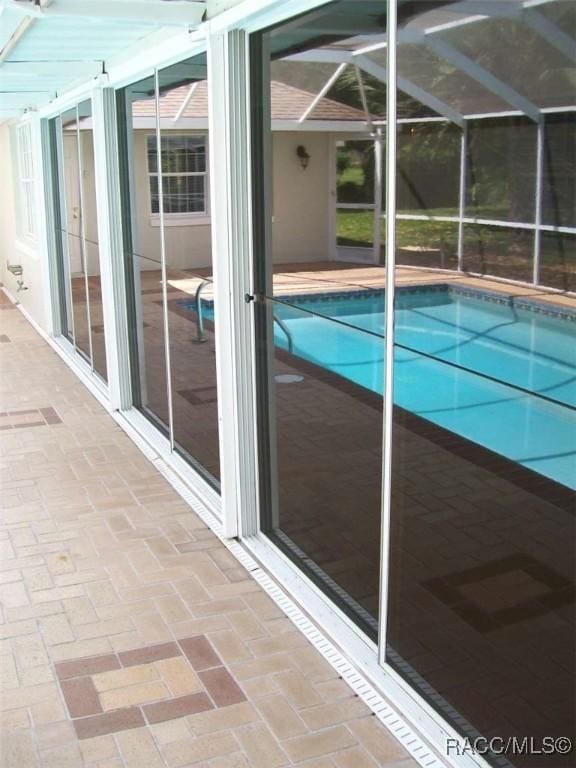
73, 224
78, 257
59, 204
168, 258
481, 586
90, 237
321, 370
184, 162
143, 255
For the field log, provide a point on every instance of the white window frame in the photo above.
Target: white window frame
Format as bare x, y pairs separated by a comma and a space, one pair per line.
181, 218
26, 182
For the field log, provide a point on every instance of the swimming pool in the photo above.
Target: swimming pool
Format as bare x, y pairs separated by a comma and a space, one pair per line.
502, 375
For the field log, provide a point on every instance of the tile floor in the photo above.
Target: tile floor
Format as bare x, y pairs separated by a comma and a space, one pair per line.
123, 616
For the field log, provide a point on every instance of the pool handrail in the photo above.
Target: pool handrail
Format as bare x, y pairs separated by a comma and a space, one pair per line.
200, 337
286, 333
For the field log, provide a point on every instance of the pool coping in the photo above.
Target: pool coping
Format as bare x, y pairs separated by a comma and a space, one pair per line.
538, 306
484, 294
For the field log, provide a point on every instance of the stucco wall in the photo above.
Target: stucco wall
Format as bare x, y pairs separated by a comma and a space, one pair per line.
188, 245
301, 204
300, 207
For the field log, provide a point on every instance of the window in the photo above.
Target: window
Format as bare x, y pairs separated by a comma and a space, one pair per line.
26, 176
183, 177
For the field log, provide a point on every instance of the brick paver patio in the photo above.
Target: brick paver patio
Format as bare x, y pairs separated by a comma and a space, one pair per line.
130, 636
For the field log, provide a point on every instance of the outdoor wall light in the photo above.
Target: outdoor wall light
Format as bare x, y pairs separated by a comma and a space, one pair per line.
303, 156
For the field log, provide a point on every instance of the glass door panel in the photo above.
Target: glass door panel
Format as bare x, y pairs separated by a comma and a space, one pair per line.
61, 240
319, 313
73, 229
90, 237
77, 250
481, 618
143, 241
165, 184
190, 286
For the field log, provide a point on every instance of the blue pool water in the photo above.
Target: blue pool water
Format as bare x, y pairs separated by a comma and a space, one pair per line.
469, 339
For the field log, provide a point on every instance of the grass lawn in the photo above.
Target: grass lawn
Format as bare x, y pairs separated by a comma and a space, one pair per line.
356, 228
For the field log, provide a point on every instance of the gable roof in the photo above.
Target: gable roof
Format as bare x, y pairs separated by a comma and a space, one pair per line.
287, 103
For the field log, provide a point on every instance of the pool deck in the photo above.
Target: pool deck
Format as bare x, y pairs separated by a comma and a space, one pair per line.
101, 557
330, 276
129, 635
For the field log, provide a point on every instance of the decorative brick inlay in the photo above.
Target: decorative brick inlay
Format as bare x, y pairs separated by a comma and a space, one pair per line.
222, 687
503, 592
114, 692
110, 722
50, 416
200, 653
35, 417
81, 697
180, 707
89, 666
149, 654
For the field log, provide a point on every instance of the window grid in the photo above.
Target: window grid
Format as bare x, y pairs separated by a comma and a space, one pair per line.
27, 182
184, 185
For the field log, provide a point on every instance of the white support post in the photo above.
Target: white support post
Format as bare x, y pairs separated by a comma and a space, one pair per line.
232, 269
462, 195
538, 201
390, 250
112, 274
377, 231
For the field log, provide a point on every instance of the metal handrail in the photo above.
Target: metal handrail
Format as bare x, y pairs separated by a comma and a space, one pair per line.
200, 338
286, 333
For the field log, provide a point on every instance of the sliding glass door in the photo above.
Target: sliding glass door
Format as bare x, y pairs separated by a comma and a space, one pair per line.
482, 529
433, 243
164, 149
319, 321
78, 257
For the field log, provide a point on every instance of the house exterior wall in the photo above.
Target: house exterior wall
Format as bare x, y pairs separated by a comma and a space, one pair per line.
15, 249
301, 206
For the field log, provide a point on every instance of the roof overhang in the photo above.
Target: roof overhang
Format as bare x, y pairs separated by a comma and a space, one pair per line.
48, 47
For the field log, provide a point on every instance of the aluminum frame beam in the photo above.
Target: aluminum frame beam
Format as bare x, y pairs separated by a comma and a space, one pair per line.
410, 89
486, 79
550, 32
379, 72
